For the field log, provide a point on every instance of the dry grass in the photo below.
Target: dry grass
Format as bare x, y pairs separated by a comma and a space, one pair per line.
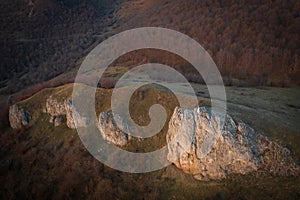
51, 162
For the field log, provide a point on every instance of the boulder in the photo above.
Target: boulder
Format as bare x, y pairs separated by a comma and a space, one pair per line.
198, 145
110, 131
18, 117
57, 120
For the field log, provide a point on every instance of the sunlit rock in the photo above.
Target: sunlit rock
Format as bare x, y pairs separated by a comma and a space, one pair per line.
110, 130
199, 145
57, 109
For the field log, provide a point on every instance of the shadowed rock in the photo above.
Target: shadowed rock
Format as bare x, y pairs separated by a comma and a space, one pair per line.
235, 147
110, 131
18, 117
56, 120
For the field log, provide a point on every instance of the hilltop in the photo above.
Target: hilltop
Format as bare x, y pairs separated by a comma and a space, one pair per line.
48, 160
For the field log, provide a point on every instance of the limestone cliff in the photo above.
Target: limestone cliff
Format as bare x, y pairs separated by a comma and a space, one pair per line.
236, 148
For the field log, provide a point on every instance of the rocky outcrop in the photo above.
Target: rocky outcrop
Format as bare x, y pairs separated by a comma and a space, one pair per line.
18, 117
58, 109
198, 145
110, 131
55, 107
73, 116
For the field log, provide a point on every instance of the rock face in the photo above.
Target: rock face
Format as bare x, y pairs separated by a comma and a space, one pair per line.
18, 117
236, 148
73, 116
110, 131
57, 109
54, 107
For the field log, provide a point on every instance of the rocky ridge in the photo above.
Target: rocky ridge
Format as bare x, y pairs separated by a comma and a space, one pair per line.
236, 148
60, 109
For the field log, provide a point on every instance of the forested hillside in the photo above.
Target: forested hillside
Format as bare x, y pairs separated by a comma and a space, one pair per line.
253, 42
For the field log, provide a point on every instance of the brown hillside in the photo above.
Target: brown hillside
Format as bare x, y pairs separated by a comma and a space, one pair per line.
254, 41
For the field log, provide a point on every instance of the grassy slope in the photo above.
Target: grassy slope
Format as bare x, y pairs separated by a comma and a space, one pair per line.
47, 161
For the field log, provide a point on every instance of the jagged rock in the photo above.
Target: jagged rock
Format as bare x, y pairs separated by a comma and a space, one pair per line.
18, 117
238, 148
57, 109
110, 131
72, 112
